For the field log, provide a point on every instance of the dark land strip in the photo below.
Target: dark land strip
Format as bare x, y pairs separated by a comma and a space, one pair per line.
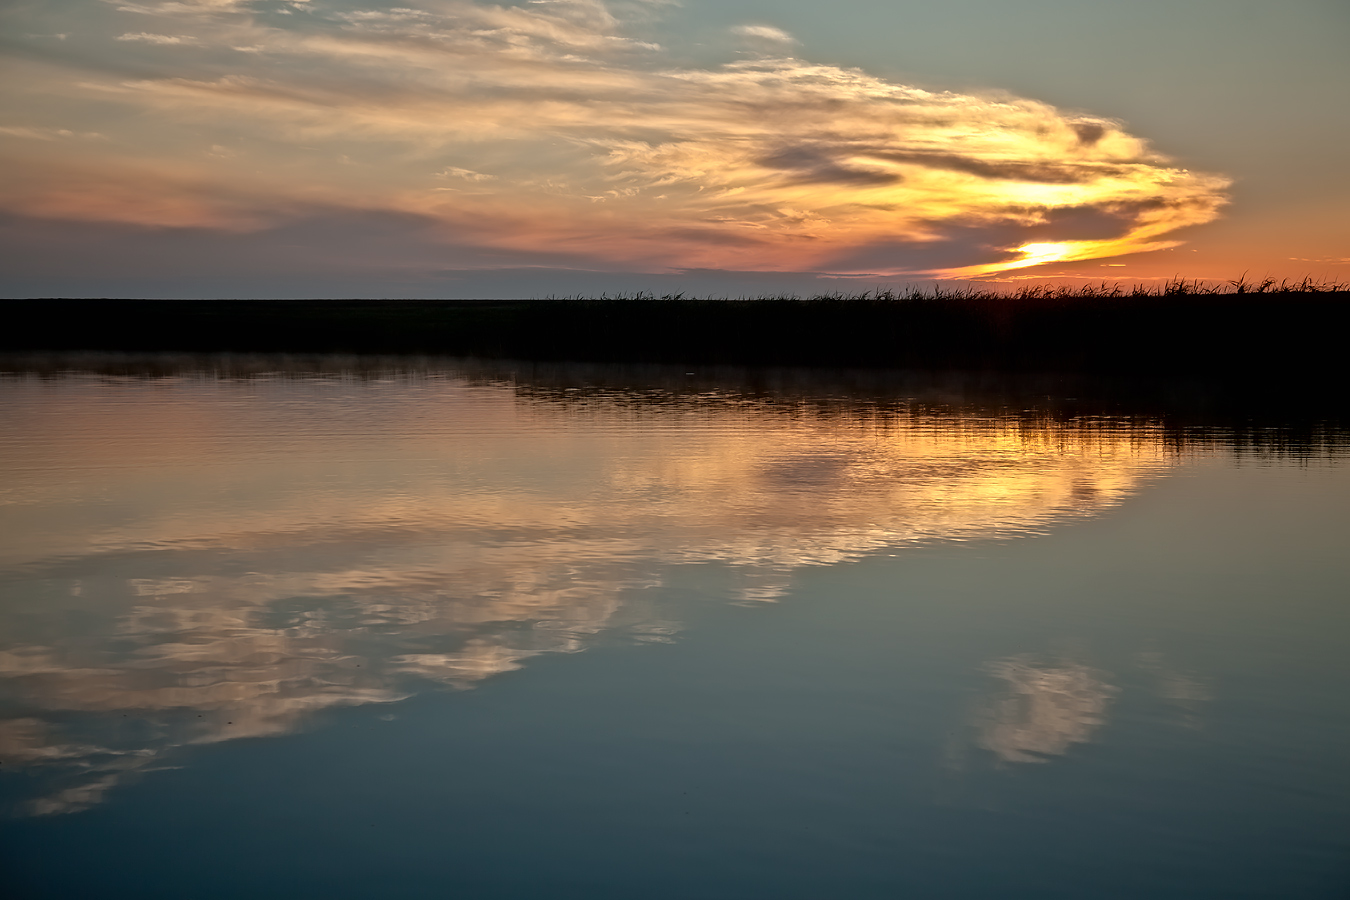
1287, 335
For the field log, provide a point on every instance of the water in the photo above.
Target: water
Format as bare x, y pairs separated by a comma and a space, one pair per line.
341, 628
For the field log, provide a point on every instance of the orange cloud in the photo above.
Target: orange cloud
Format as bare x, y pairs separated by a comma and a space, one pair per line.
582, 137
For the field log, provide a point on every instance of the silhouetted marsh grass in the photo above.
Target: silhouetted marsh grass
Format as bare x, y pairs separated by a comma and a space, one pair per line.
1248, 331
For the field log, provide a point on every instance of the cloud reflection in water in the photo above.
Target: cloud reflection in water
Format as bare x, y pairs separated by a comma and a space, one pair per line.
1043, 709
193, 559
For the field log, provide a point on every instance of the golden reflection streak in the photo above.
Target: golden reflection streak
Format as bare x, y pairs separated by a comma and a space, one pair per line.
277, 548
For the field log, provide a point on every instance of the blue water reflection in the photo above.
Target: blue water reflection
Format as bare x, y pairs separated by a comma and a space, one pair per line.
318, 630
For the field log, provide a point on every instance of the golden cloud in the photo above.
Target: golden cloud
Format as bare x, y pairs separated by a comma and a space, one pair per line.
589, 140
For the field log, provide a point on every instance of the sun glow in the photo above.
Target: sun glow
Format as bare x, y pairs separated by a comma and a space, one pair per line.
1036, 254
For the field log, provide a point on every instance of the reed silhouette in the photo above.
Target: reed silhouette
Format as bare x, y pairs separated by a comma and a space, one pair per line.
1245, 331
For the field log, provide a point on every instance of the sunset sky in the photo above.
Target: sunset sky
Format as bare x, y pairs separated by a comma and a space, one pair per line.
463, 148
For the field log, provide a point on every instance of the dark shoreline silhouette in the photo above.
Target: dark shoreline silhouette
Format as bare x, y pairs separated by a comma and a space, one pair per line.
1244, 347
1290, 333
1026, 327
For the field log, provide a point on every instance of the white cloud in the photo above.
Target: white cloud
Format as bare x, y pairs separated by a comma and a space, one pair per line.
49, 134
765, 33
186, 8
466, 174
148, 38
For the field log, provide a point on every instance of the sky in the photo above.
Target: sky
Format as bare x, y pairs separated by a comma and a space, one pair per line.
462, 148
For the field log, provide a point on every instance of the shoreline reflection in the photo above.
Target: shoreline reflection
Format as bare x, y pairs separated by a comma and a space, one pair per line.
194, 559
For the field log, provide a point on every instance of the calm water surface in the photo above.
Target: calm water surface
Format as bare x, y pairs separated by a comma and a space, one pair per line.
450, 631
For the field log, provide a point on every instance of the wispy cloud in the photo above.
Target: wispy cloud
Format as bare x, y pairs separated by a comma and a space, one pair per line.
48, 134
765, 33
185, 8
466, 174
600, 146
148, 38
